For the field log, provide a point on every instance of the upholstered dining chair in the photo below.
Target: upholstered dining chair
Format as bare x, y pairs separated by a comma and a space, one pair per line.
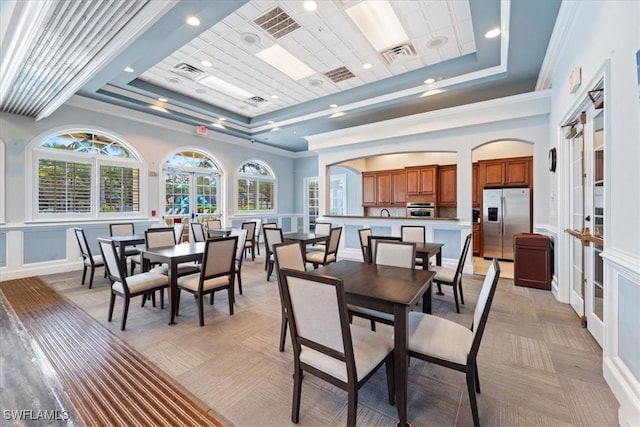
217, 273
449, 344
330, 254
214, 224
371, 245
392, 253
128, 287
163, 237
242, 237
364, 233
259, 232
178, 229
272, 236
197, 229
88, 260
125, 229
413, 233
451, 277
250, 243
325, 344
287, 255
321, 229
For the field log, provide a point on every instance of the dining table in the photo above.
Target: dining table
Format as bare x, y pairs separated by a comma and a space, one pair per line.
122, 242
219, 232
172, 256
306, 238
393, 290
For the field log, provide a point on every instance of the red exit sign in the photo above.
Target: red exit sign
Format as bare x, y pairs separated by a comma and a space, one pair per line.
201, 129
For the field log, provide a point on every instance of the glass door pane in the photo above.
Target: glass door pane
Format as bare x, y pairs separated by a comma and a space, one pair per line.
312, 205
577, 210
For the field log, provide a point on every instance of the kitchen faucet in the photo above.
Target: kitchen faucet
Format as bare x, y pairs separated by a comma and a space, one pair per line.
383, 211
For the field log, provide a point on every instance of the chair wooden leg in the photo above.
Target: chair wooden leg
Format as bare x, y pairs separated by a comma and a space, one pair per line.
253, 252
178, 301
153, 298
211, 298
391, 389
352, 405
230, 292
297, 391
258, 246
472, 395
84, 273
112, 302
201, 309
144, 300
461, 294
439, 289
161, 298
477, 380
239, 282
373, 325
270, 270
455, 297
125, 311
93, 270
283, 330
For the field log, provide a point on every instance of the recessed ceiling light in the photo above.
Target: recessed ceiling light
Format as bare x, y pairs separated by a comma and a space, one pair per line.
218, 125
158, 108
193, 21
225, 87
207, 63
270, 122
379, 23
275, 129
128, 70
366, 66
310, 5
338, 114
163, 100
333, 105
492, 33
281, 59
222, 118
274, 96
437, 42
429, 81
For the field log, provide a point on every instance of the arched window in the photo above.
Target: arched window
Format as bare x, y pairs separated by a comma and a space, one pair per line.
86, 174
256, 188
191, 182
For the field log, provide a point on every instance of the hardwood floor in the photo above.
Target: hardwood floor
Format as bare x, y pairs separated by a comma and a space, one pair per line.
537, 365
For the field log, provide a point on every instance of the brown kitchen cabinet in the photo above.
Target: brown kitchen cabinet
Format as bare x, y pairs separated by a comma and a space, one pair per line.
368, 189
422, 180
476, 239
475, 186
514, 172
384, 188
447, 185
398, 187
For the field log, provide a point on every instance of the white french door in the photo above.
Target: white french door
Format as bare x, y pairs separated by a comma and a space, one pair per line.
311, 203
587, 213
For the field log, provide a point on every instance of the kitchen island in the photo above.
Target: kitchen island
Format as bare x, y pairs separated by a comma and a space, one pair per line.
449, 231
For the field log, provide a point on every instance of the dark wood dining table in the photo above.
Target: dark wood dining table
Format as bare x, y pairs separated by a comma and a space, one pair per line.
172, 256
306, 238
122, 242
393, 290
219, 232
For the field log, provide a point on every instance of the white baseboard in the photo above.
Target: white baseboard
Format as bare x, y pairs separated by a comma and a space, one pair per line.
40, 269
622, 384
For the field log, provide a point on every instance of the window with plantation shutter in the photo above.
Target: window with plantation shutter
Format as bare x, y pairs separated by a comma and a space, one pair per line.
85, 174
256, 185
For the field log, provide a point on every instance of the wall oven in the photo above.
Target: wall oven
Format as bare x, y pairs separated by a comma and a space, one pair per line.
423, 209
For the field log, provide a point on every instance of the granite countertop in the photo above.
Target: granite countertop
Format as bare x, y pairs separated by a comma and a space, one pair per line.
392, 217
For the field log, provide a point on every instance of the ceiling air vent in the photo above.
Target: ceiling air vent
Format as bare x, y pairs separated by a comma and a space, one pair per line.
189, 71
257, 101
398, 53
277, 23
339, 74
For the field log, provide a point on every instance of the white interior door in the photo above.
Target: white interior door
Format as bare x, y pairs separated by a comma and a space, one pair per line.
311, 203
576, 227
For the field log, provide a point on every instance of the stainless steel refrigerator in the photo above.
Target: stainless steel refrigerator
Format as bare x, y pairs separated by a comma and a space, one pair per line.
506, 212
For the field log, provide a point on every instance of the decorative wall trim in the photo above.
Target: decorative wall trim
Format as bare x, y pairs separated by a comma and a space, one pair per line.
624, 260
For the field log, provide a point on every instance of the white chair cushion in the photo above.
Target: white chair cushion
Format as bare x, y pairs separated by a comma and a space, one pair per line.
136, 258
183, 269
438, 337
369, 349
141, 282
443, 274
192, 282
318, 257
97, 260
161, 269
370, 312
248, 244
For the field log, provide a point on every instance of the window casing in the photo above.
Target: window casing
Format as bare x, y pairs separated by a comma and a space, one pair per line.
256, 188
85, 174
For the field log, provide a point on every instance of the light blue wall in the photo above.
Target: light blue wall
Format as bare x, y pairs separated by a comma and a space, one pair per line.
629, 320
304, 167
3, 251
354, 188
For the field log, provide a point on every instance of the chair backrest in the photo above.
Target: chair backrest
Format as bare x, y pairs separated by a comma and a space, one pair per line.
214, 224
242, 237
364, 233
198, 232
323, 228
334, 241
289, 255
481, 312
219, 258
317, 315
371, 245
463, 257
159, 237
413, 233
396, 254
121, 229
178, 229
111, 261
251, 230
82, 242
272, 236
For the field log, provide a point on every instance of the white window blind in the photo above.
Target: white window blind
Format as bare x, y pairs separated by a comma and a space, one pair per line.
64, 187
119, 189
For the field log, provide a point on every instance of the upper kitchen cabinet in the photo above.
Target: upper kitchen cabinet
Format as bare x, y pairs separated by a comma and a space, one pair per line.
368, 188
447, 186
398, 187
421, 181
384, 188
515, 172
475, 186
